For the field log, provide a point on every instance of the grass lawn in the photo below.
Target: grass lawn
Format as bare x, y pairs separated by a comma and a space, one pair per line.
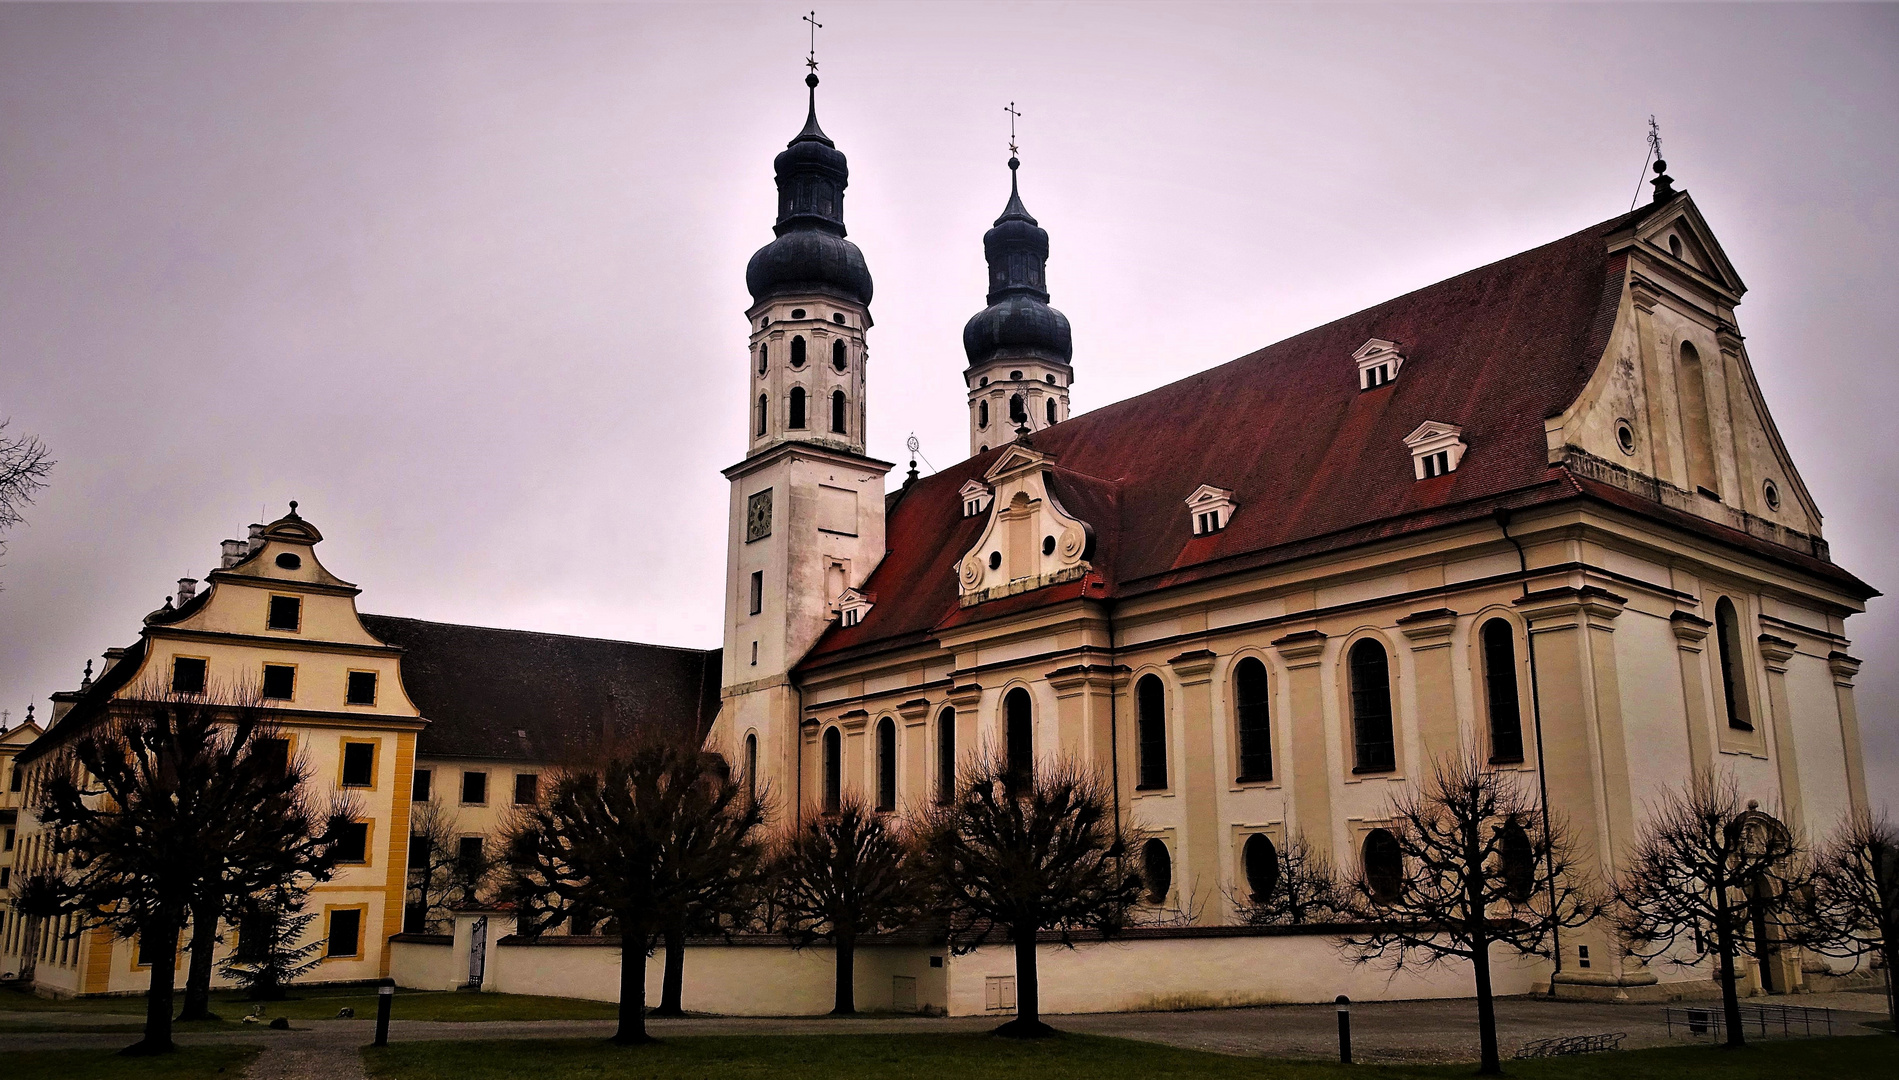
192, 1062
1069, 1057
321, 1003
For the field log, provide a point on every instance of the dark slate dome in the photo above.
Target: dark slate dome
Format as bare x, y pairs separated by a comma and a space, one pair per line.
810, 254
1018, 320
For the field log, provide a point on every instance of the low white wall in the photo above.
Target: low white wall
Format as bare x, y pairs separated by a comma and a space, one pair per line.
765, 979
418, 965
1144, 973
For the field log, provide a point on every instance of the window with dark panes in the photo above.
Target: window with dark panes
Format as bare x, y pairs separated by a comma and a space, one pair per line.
273, 754
1253, 720
359, 764
361, 688
1383, 863
527, 787
1019, 736
187, 675
1261, 861
422, 788
353, 847
280, 682
1150, 700
833, 770
346, 932
1157, 870
886, 764
1370, 673
946, 756
286, 612
1500, 683
468, 854
475, 787
418, 851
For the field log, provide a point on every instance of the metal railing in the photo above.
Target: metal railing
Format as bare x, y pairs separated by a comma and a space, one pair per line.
1760, 1020
1570, 1045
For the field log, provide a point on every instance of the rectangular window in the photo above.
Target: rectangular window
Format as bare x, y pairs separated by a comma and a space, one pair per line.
8, 844
359, 764
280, 682
187, 675
147, 954
1437, 464
353, 848
361, 689
475, 788
421, 789
527, 787
758, 591
273, 755
286, 613
346, 932
6, 876
18, 779
418, 852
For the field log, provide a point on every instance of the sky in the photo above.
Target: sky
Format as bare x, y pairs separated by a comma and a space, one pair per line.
467, 281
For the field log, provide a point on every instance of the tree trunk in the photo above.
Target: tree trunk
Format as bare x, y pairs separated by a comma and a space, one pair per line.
164, 951
846, 948
204, 943
1028, 997
1892, 985
672, 983
1730, 997
632, 1030
1486, 1009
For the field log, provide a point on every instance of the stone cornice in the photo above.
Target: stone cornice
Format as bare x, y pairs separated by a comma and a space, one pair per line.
1429, 629
1302, 649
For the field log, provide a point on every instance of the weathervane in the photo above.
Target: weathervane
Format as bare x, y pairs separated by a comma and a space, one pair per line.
1654, 136
1010, 109
811, 58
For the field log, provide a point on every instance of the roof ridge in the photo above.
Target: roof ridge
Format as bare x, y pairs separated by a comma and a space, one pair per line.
541, 633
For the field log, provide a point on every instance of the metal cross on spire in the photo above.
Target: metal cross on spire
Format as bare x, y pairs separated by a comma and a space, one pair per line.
1654, 136
1010, 109
811, 58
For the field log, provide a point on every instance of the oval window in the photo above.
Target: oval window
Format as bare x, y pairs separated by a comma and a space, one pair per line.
995, 560
1048, 545
289, 561
1157, 870
1772, 492
1261, 861
797, 313
1625, 436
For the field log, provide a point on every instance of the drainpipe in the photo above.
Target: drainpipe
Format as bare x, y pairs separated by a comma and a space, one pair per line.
1536, 720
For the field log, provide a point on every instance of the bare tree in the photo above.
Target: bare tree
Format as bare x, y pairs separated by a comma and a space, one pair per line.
1852, 909
1305, 889
441, 875
1707, 876
651, 827
1020, 854
24, 467
1479, 865
842, 875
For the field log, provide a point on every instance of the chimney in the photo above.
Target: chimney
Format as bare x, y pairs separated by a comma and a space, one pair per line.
187, 588
257, 538
112, 658
233, 553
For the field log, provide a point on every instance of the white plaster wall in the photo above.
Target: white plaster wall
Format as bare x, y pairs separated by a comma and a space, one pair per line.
417, 966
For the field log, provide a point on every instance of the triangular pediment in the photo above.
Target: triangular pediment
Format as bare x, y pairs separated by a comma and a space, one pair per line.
1207, 493
1679, 236
1375, 347
973, 489
1432, 430
1014, 460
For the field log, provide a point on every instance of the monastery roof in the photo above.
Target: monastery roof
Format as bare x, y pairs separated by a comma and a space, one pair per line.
1314, 462
477, 686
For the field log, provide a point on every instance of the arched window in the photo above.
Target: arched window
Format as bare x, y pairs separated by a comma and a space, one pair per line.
1018, 412
1727, 632
982, 414
1697, 431
1150, 700
1517, 862
1384, 866
833, 770
838, 359
1372, 749
1051, 410
1252, 720
946, 756
751, 766
1019, 733
886, 764
1499, 642
764, 414
797, 352
1157, 870
797, 408
1261, 861
838, 408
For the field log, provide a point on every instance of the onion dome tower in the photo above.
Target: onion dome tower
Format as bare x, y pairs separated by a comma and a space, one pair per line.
810, 304
1018, 347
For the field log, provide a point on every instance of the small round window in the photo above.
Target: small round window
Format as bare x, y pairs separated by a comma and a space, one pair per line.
1772, 491
995, 560
289, 561
1015, 376
984, 382
1674, 246
837, 317
1625, 436
797, 313
1048, 545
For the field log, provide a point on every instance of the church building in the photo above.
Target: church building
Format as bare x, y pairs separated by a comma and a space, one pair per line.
1537, 512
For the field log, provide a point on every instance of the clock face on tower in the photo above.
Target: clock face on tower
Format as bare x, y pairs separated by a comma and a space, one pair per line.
758, 516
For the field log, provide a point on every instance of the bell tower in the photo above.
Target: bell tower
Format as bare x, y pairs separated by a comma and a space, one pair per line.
1019, 348
807, 507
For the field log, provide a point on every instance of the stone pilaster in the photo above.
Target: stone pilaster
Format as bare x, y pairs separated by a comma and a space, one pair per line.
1844, 667
1776, 652
1690, 632
1198, 777
1434, 683
1309, 766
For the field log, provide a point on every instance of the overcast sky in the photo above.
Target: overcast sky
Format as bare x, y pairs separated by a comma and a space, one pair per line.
468, 281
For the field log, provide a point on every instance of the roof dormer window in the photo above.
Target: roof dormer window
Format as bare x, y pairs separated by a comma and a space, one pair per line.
852, 606
1378, 363
1210, 508
976, 496
1436, 449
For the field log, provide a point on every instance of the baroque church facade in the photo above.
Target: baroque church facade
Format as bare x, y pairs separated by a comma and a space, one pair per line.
1537, 512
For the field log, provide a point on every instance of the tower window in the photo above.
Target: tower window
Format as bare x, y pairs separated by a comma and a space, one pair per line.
838, 359
797, 351
1051, 410
764, 414
797, 313
1372, 744
758, 591
1050, 379
761, 358
796, 422
886, 764
837, 317
1693, 387
751, 766
1015, 376
982, 414
1727, 630
984, 381
1019, 736
833, 770
1151, 703
1500, 685
1018, 411
946, 756
838, 409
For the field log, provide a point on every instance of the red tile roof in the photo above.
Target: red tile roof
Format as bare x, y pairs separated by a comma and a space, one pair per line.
1314, 463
